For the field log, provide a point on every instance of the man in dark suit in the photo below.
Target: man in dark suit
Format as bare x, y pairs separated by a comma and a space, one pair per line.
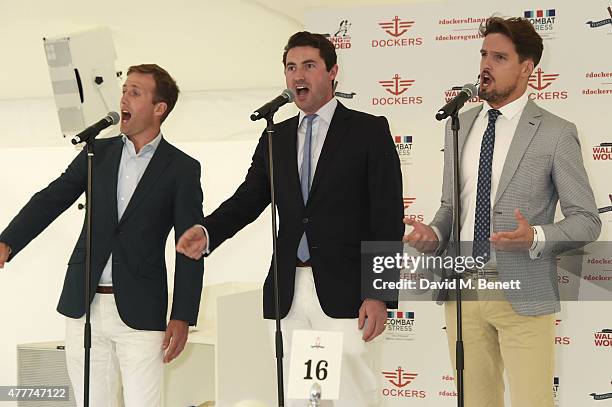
142, 188
337, 183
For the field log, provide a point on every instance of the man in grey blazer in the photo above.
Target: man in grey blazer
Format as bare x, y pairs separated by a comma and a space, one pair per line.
517, 161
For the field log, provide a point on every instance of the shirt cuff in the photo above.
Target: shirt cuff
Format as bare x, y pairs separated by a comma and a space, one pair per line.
539, 241
206, 250
437, 232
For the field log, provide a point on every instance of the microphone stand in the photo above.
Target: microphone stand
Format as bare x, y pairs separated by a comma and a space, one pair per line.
88, 217
278, 333
459, 354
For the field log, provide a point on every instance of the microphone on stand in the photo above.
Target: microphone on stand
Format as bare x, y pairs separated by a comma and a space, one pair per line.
272, 106
468, 91
92, 131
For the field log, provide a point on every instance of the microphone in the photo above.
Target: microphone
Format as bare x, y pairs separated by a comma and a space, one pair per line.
272, 106
457, 102
92, 131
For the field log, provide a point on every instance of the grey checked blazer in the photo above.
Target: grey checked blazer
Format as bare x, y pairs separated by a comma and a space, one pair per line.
543, 166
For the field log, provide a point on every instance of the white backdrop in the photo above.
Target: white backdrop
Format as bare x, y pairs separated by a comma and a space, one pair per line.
402, 61
30, 285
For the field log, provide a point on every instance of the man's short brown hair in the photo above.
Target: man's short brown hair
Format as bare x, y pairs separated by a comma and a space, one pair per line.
166, 89
525, 38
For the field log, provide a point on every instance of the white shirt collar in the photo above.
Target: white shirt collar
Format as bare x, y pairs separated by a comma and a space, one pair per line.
510, 110
326, 112
151, 146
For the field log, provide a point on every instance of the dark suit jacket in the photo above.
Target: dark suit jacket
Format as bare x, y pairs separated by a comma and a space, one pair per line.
168, 195
356, 195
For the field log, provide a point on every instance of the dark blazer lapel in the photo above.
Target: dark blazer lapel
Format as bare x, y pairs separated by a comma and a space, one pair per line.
337, 130
159, 162
287, 147
525, 130
110, 166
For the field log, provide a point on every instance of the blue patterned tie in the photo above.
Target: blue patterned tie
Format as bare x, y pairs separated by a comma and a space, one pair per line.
305, 180
482, 220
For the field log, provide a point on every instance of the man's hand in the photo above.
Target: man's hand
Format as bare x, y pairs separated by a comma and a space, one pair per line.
192, 243
5, 251
376, 313
422, 238
519, 239
175, 339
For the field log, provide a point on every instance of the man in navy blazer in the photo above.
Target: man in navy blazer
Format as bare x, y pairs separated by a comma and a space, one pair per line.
142, 188
337, 182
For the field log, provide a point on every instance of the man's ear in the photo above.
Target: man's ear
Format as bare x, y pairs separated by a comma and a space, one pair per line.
160, 108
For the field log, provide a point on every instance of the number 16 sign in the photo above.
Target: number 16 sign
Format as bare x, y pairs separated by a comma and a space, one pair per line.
316, 356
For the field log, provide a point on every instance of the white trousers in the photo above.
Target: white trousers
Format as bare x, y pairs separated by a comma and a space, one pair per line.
358, 384
120, 355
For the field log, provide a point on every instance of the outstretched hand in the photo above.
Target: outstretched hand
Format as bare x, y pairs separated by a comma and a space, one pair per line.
519, 239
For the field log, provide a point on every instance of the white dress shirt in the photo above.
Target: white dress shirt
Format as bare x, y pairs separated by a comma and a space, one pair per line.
131, 168
320, 126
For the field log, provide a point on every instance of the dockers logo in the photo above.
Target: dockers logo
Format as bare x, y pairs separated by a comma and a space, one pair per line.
408, 201
400, 322
400, 378
540, 81
397, 87
542, 20
396, 28
341, 38
597, 24
603, 338
561, 340
602, 152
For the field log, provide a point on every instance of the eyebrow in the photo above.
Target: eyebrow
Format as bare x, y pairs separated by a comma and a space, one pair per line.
495, 52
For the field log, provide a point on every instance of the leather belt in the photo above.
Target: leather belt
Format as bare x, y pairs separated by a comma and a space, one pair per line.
300, 263
105, 289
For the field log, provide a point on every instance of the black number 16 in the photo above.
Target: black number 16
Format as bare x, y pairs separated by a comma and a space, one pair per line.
321, 370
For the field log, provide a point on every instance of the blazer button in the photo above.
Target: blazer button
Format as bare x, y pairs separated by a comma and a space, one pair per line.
305, 220
117, 231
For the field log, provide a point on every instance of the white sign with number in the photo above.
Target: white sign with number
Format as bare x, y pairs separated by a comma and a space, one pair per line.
316, 356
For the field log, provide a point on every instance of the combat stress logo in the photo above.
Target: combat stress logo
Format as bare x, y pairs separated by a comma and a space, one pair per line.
543, 21
399, 379
603, 338
403, 146
555, 390
542, 83
604, 87
341, 38
398, 34
400, 326
397, 87
601, 23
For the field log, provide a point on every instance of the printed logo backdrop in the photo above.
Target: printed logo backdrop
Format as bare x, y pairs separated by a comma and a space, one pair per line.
402, 61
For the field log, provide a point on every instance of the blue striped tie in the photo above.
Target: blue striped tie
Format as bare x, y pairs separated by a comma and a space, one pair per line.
305, 180
482, 220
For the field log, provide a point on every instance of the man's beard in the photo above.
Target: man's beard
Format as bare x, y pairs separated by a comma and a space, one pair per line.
496, 97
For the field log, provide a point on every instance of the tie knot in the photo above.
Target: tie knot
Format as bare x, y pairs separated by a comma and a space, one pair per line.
310, 117
494, 114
